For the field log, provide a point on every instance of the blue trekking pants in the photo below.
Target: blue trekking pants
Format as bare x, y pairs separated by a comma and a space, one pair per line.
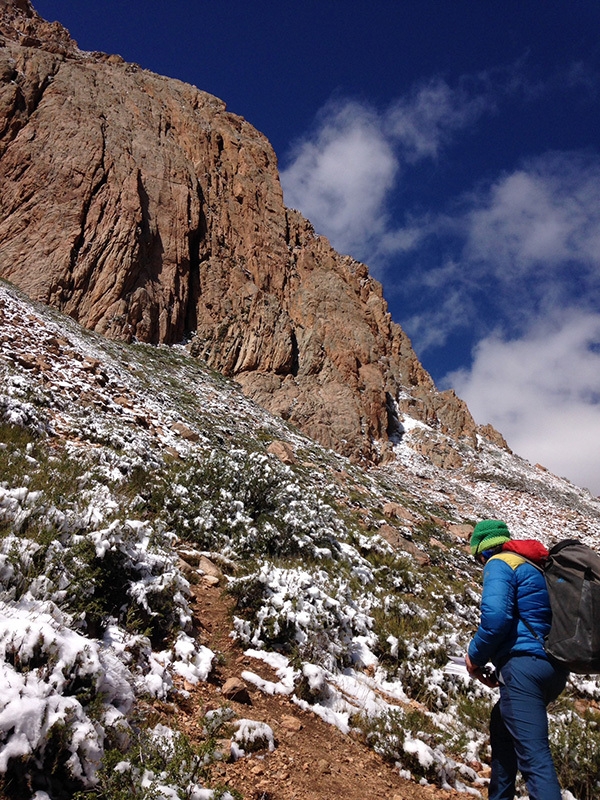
519, 729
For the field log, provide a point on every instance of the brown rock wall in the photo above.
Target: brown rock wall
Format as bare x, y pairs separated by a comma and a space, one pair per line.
144, 209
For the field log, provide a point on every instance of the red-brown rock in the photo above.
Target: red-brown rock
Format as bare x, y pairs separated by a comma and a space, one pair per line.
144, 209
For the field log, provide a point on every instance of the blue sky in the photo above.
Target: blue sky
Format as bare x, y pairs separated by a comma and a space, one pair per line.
453, 146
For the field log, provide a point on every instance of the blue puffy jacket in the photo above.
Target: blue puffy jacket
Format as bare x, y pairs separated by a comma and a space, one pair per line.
513, 591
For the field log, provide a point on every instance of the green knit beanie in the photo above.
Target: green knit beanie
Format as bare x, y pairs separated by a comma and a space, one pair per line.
487, 534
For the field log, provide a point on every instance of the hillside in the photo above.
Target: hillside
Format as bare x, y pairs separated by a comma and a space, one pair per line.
137, 485
234, 507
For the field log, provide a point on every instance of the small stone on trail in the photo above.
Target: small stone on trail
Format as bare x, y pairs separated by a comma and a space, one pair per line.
290, 723
208, 567
235, 689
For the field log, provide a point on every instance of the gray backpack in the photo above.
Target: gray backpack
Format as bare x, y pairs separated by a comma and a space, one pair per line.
572, 574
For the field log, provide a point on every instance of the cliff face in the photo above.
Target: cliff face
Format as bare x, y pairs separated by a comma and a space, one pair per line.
144, 209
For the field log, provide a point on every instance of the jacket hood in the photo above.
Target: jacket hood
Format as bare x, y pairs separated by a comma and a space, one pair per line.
528, 548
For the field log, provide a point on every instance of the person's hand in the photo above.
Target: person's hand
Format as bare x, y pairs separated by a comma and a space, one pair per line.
488, 677
472, 668
482, 674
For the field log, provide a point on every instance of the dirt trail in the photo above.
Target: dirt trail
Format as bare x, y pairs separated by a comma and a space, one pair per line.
312, 760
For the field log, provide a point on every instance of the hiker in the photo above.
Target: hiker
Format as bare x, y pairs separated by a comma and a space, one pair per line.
515, 617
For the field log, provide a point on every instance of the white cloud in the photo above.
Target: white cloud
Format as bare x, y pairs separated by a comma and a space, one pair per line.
527, 244
542, 392
342, 174
425, 120
340, 177
532, 250
545, 214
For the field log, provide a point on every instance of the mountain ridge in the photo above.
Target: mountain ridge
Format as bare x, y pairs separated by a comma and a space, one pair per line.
158, 215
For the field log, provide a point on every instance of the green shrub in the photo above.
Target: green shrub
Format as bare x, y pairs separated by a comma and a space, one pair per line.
474, 710
404, 624
575, 745
249, 594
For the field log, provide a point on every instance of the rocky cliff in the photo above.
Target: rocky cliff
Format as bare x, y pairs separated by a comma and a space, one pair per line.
141, 207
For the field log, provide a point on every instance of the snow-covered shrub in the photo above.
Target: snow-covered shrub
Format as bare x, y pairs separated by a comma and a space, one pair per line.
310, 613
17, 413
61, 692
250, 505
410, 739
159, 763
41, 489
216, 719
188, 659
251, 736
82, 586
124, 572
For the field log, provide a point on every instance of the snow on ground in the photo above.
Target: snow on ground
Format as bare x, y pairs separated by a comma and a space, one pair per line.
356, 629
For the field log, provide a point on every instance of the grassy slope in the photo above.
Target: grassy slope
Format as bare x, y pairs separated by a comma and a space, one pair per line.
113, 456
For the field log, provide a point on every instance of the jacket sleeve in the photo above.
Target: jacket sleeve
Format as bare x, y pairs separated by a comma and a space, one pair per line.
498, 622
